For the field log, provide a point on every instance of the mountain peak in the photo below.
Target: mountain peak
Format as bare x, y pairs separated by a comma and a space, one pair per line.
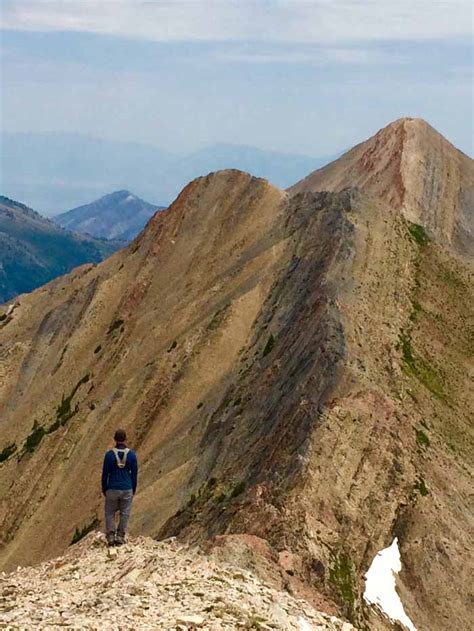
118, 215
411, 167
123, 193
407, 126
407, 119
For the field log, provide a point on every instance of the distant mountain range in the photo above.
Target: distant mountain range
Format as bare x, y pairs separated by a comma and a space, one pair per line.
54, 171
119, 215
33, 250
281, 169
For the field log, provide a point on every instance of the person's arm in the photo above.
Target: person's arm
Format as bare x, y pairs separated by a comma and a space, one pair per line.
134, 472
105, 474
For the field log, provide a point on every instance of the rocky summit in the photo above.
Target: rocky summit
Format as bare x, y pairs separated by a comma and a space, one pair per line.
291, 366
149, 585
412, 169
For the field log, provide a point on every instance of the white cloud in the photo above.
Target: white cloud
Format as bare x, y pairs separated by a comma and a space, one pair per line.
308, 56
292, 21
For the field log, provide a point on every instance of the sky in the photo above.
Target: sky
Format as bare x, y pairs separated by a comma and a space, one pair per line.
311, 77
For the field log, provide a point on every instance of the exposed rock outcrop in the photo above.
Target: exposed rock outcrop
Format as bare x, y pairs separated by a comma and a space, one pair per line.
149, 585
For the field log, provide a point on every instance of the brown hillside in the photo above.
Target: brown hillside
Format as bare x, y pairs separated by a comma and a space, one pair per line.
291, 367
411, 168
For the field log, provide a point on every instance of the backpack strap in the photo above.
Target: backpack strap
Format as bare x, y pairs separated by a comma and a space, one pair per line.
121, 460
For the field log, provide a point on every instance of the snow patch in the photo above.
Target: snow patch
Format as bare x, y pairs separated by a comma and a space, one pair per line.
304, 624
380, 586
130, 198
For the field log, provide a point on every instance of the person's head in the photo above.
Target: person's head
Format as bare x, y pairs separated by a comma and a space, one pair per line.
120, 436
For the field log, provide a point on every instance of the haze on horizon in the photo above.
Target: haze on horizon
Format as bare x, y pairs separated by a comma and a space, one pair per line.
310, 78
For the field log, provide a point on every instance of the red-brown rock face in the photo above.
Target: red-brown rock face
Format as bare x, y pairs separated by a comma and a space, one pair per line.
412, 169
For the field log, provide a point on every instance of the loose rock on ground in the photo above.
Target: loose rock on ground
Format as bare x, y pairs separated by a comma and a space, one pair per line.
148, 585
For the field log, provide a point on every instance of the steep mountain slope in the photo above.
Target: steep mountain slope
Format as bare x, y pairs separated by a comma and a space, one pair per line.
119, 215
294, 367
411, 168
33, 250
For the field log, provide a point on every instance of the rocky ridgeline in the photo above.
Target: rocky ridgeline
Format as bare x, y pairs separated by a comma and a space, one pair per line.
148, 585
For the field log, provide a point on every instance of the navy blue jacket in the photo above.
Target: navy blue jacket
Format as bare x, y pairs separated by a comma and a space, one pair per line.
113, 477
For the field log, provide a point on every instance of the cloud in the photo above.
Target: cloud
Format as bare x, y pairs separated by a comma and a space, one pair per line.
308, 56
318, 22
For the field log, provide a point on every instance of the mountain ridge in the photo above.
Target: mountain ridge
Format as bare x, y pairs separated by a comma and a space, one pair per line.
291, 366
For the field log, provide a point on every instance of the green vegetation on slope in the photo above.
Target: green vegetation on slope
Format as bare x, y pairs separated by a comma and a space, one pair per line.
418, 234
64, 412
420, 368
415, 363
421, 487
422, 439
7, 452
34, 438
269, 345
33, 250
341, 575
80, 533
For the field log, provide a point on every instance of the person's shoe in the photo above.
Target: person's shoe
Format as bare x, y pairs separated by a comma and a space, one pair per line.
110, 539
119, 540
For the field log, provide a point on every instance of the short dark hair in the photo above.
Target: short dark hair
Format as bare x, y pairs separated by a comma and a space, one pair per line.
120, 435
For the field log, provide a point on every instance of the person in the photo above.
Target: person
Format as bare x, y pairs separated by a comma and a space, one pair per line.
119, 484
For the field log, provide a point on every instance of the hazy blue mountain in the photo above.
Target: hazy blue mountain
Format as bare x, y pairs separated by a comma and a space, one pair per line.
52, 172
55, 171
279, 168
34, 250
119, 215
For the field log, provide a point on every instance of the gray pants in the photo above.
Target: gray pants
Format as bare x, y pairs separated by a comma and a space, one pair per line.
117, 501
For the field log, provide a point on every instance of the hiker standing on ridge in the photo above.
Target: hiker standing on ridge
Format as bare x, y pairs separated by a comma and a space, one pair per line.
119, 483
